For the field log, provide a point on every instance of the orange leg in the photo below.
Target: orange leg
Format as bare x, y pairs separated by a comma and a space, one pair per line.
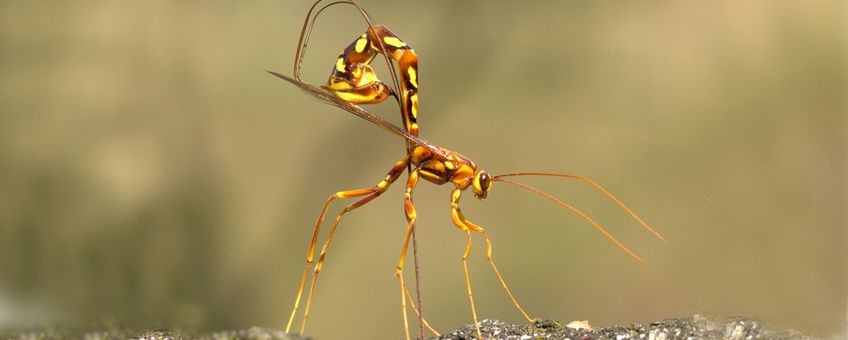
369, 194
409, 209
461, 222
479, 229
455, 217
412, 304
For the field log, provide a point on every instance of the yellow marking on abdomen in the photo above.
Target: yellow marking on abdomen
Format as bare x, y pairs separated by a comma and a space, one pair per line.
340, 65
413, 76
360, 44
353, 97
392, 41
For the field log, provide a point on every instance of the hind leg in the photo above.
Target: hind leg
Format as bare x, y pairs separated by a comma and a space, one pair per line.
369, 194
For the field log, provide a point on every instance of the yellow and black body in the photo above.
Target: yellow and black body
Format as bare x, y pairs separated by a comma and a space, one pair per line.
353, 79
353, 82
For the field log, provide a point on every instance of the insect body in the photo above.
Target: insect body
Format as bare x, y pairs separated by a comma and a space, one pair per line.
353, 82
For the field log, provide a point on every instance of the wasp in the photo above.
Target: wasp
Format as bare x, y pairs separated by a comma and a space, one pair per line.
353, 82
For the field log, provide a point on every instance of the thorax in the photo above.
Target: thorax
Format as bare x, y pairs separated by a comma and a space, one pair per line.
456, 168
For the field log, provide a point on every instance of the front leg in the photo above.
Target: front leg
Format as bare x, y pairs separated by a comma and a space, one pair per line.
461, 222
456, 217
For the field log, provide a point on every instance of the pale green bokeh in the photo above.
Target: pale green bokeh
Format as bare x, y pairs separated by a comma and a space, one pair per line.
152, 173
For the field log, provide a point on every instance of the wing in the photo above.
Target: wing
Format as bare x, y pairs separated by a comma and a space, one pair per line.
329, 98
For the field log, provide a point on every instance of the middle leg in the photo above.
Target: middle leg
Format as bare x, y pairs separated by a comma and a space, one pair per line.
409, 210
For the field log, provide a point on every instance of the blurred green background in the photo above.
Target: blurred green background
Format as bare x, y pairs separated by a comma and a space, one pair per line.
152, 173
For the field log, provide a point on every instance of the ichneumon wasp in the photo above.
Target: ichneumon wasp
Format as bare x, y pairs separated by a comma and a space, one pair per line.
353, 82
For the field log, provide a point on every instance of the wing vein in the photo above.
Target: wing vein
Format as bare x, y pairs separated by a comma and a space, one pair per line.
329, 98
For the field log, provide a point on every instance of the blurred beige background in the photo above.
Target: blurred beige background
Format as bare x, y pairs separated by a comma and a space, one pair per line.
153, 174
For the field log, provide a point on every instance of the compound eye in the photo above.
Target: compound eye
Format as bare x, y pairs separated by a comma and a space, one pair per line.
485, 181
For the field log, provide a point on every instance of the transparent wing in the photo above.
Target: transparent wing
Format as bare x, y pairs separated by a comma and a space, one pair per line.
329, 98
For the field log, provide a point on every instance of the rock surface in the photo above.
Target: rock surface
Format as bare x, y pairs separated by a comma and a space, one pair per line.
694, 327
253, 333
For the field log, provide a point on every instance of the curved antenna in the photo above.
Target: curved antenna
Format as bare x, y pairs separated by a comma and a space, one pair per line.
596, 186
578, 212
